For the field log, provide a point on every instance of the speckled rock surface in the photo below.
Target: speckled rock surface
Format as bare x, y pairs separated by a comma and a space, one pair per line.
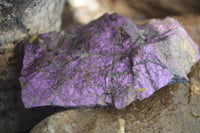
19, 19
107, 62
22, 17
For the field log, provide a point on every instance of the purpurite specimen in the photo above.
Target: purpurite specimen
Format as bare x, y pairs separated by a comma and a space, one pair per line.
110, 61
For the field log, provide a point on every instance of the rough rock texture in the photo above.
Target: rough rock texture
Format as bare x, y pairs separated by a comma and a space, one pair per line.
8, 58
194, 81
22, 17
190, 23
107, 62
172, 109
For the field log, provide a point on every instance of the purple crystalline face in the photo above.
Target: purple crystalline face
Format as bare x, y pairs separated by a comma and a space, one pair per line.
107, 62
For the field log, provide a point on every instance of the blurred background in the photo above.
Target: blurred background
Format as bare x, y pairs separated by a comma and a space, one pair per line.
83, 11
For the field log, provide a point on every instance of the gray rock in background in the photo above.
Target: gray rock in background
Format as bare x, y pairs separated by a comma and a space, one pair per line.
20, 19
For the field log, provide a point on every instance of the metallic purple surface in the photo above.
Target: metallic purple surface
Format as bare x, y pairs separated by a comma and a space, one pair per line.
107, 62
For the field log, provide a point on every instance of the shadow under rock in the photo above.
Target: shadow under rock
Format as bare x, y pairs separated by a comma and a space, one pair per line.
14, 117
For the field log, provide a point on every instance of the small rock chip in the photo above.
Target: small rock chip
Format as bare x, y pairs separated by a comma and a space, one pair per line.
122, 124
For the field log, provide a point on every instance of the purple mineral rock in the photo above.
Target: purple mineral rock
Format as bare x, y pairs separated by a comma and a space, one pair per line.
107, 62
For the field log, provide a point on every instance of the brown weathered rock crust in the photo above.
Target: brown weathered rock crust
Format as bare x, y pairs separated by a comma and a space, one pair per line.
171, 109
